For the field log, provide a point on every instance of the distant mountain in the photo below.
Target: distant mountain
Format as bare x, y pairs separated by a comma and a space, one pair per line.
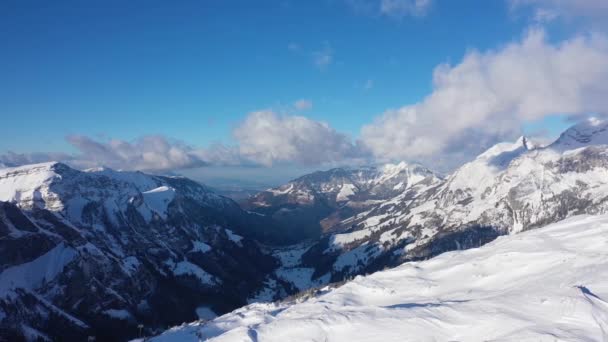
99, 252
317, 202
512, 187
548, 284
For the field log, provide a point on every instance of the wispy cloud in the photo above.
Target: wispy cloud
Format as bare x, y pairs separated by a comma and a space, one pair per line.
150, 153
396, 9
15, 159
549, 10
403, 8
323, 57
302, 104
264, 138
294, 47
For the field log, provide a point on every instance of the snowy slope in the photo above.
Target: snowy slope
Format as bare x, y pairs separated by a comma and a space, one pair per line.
549, 284
95, 252
511, 187
316, 203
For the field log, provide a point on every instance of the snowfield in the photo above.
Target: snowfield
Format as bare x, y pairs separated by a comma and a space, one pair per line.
549, 284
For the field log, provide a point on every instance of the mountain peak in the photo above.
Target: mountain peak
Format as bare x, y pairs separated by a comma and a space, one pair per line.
523, 141
506, 150
592, 131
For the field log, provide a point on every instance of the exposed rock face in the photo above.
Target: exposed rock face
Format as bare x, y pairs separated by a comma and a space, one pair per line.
99, 252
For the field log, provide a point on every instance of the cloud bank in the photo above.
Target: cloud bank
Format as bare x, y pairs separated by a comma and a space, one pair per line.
264, 138
486, 97
475, 103
268, 138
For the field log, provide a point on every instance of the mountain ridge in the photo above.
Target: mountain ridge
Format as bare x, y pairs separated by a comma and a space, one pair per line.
119, 249
510, 188
131, 247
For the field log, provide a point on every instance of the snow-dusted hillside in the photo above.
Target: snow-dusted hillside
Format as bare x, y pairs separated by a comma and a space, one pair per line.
97, 252
512, 187
549, 284
100, 251
321, 200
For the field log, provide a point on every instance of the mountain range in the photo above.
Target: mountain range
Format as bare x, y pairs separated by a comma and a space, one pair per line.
98, 252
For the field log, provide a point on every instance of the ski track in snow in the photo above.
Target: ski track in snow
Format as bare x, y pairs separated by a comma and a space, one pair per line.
549, 284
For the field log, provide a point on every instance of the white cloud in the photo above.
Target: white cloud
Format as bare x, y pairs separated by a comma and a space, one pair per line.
488, 95
294, 47
397, 9
16, 159
302, 104
403, 8
549, 10
266, 138
323, 57
148, 153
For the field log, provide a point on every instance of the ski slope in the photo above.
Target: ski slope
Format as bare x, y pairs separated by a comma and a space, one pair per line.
549, 284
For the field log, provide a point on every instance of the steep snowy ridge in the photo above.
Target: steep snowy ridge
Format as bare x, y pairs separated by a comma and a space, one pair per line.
549, 284
589, 132
95, 252
512, 187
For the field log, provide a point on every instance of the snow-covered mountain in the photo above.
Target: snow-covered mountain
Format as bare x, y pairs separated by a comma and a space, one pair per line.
99, 252
510, 188
549, 284
316, 202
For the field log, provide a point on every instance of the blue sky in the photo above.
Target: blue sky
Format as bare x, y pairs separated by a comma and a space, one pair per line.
194, 70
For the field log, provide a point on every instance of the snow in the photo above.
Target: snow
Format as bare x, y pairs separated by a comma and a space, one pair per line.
281, 190
200, 247
205, 312
346, 191
547, 284
290, 271
341, 240
32, 334
487, 166
187, 268
158, 199
352, 259
25, 183
415, 173
138, 179
130, 265
300, 277
266, 294
121, 314
234, 237
35, 273
592, 131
